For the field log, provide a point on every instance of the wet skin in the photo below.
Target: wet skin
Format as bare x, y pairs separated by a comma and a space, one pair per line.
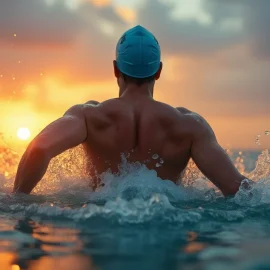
139, 127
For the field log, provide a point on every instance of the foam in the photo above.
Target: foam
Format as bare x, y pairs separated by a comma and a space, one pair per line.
138, 196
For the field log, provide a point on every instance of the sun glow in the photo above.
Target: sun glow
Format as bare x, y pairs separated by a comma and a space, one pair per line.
23, 133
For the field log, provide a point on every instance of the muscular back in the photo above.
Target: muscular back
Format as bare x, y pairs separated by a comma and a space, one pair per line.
150, 132
144, 130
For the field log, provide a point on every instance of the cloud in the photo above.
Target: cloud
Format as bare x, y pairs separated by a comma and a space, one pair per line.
74, 45
256, 20
228, 23
183, 36
215, 53
77, 47
36, 23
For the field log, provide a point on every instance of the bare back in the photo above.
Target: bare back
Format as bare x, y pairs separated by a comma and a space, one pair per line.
153, 133
150, 132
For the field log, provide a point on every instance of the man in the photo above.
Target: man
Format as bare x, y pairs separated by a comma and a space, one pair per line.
133, 124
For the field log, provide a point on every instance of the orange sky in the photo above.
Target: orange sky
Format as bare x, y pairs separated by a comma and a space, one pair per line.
58, 53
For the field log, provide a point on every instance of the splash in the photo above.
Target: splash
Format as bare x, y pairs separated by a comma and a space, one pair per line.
134, 181
61, 173
258, 192
262, 169
136, 194
69, 171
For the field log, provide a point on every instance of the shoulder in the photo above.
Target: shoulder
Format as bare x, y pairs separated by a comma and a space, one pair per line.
197, 123
78, 110
93, 107
183, 110
193, 117
92, 102
75, 113
90, 106
75, 110
104, 104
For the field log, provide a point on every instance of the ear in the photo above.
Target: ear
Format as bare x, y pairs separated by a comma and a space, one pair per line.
159, 71
116, 70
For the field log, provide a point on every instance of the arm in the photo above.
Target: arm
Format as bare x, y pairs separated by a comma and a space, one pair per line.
212, 160
64, 133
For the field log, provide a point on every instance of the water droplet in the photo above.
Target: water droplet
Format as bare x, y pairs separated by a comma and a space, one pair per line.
158, 165
155, 156
161, 161
267, 132
257, 140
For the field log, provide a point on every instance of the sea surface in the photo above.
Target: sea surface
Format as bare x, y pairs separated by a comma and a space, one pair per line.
135, 220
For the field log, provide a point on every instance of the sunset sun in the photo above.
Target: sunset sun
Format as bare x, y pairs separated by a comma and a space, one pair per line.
23, 133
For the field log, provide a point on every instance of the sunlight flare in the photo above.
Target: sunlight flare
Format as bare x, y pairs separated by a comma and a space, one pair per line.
23, 133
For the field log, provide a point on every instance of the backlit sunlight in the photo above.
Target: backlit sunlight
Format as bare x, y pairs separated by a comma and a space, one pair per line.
23, 133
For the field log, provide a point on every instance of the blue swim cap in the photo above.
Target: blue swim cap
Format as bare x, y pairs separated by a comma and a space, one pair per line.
138, 53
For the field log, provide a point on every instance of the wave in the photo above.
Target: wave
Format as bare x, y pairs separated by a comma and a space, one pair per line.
137, 196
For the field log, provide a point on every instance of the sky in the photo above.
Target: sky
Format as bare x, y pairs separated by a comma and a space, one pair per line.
216, 56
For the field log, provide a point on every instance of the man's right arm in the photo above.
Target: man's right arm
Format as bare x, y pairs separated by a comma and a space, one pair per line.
64, 133
212, 160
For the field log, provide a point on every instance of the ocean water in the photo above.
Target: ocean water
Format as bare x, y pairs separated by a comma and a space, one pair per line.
134, 220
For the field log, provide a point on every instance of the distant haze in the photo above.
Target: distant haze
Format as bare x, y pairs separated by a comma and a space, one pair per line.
216, 56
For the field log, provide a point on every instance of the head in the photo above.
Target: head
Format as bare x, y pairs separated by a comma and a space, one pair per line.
137, 59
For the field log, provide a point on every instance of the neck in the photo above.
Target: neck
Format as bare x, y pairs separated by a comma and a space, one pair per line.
134, 91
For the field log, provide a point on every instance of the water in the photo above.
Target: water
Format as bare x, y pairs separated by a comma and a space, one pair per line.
135, 220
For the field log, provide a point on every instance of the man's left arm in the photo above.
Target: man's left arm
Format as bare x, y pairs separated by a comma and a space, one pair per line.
62, 134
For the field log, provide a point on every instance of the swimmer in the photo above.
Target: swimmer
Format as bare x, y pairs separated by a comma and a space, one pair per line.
133, 123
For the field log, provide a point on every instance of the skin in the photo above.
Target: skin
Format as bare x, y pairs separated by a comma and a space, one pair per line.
137, 125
